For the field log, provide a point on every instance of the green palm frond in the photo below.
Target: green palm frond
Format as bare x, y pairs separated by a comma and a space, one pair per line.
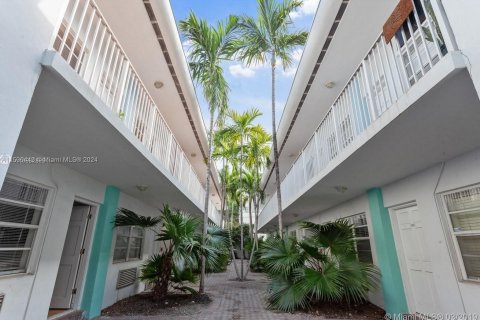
322, 267
151, 269
281, 256
127, 217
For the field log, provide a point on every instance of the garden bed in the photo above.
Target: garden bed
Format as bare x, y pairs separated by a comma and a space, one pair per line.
143, 304
332, 310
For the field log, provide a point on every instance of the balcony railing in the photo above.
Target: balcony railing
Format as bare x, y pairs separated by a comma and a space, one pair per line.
88, 45
386, 73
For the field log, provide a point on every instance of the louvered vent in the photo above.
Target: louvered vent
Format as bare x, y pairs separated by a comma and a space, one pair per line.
2, 297
21, 191
126, 277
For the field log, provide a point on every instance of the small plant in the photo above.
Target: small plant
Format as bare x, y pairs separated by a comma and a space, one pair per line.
323, 267
176, 265
121, 115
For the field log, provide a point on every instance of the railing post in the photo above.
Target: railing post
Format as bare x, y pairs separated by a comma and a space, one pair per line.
368, 91
443, 24
123, 84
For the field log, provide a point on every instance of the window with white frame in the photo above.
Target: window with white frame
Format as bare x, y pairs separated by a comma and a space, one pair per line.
21, 208
128, 244
463, 209
361, 237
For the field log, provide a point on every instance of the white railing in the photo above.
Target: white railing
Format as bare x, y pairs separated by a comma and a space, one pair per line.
88, 45
387, 72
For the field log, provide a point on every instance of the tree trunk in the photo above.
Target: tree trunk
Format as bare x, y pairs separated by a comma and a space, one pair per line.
255, 240
241, 206
231, 246
201, 288
275, 150
223, 195
250, 226
160, 289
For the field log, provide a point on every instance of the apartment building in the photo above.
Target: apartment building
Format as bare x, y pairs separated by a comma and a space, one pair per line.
381, 127
98, 112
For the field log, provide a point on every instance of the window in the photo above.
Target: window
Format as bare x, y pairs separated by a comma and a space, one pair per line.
361, 237
69, 42
346, 131
128, 244
332, 146
463, 209
21, 208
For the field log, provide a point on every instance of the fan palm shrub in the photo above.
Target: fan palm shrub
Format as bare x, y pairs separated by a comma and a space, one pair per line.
323, 267
181, 234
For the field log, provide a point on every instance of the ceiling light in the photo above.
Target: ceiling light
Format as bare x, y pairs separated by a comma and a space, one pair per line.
329, 84
341, 189
141, 187
158, 84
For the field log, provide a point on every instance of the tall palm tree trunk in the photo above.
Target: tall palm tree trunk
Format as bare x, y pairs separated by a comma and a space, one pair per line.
240, 207
275, 151
250, 222
231, 242
201, 288
255, 240
224, 191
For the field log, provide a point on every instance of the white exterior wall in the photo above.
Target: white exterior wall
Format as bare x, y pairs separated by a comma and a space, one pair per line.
27, 296
454, 295
111, 294
28, 28
346, 209
464, 22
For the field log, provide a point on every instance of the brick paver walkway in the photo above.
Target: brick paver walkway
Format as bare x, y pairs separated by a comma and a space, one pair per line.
231, 299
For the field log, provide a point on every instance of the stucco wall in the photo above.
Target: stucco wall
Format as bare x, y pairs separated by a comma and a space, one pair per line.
422, 188
27, 296
29, 27
111, 294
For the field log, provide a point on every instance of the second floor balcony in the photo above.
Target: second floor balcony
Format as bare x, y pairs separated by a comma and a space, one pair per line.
389, 120
87, 58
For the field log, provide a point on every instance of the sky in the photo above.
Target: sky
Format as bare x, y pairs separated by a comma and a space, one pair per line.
250, 86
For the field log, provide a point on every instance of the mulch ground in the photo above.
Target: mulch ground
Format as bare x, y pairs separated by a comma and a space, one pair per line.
332, 310
144, 304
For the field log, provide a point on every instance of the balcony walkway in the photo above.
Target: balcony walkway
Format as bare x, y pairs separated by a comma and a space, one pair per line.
230, 300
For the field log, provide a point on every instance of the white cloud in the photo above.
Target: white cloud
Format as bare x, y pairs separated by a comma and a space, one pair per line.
296, 56
187, 45
240, 70
289, 72
309, 7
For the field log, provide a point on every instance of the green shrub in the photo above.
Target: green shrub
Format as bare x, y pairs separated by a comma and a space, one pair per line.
323, 267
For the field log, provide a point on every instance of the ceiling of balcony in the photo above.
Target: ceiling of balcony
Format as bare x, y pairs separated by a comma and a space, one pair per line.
131, 25
360, 26
66, 124
440, 125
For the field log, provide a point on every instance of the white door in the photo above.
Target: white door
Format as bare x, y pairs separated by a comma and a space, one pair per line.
71, 254
416, 261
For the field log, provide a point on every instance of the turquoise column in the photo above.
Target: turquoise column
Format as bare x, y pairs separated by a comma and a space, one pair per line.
392, 285
100, 255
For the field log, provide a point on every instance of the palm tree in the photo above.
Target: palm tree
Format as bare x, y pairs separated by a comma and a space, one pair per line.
183, 252
323, 267
210, 46
257, 159
227, 151
269, 39
241, 127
